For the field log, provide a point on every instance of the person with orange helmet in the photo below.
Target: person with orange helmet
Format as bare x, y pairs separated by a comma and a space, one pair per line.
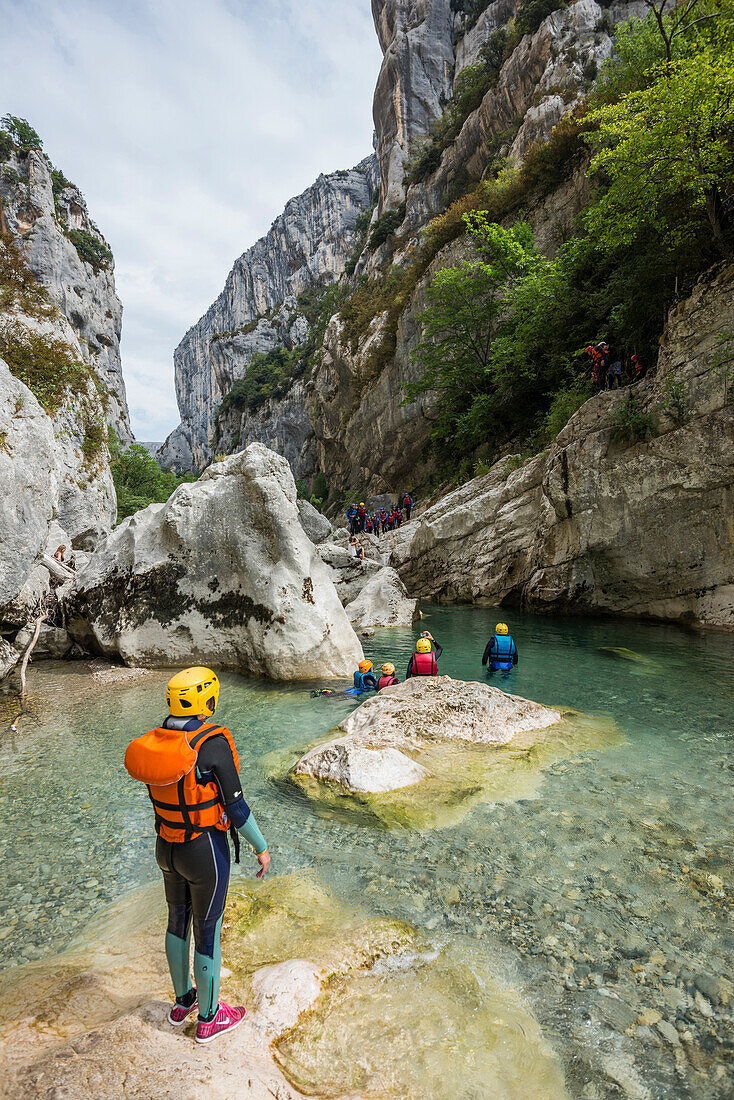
364, 679
388, 677
191, 770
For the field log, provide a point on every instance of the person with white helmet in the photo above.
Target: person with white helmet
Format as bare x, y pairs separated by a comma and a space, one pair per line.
191, 769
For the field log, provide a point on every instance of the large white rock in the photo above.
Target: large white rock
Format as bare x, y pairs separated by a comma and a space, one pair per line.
221, 574
383, 601
371, 755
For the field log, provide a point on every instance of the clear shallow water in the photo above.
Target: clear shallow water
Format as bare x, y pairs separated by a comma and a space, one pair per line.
624, 856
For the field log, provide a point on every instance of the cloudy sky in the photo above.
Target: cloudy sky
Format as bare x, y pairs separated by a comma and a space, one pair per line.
188, 124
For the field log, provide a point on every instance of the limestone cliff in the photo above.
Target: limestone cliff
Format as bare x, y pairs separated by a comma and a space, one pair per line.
601, 525
60, 378
307, 245
68, 255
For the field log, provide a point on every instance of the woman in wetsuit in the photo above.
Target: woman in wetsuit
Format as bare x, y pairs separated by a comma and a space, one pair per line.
191, 769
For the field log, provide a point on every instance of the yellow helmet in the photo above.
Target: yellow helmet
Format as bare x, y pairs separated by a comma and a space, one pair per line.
501, 628
365, 666
361, 504
423, 645
388, 670
192, 692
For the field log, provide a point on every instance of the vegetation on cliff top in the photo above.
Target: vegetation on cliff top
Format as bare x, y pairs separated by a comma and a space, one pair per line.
139, 480
660, 128
272, 373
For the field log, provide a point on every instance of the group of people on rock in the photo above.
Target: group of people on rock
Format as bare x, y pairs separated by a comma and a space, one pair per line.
500, 655
606, 370
360, 520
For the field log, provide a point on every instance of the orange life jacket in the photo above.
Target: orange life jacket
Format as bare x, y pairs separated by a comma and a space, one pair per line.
165, 760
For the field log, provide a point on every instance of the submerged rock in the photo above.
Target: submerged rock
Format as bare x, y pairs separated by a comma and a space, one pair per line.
421, 753
221, 574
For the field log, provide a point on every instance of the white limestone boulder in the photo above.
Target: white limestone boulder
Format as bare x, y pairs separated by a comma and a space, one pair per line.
221, 574
316, 525
383, 601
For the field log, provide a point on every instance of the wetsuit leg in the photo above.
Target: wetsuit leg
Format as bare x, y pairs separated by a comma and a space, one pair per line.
178, 933
204, 863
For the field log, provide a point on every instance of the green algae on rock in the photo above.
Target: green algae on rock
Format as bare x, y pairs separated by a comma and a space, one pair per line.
444, 1026
421, 754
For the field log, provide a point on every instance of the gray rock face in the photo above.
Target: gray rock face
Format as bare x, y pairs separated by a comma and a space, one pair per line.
597, 525
281, 423
316, 525
28, 474
306, 246
221, 574
9, 657
85, 296
417, 39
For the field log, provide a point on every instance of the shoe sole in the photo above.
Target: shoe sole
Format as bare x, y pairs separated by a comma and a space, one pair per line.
180, 1023
217, 1034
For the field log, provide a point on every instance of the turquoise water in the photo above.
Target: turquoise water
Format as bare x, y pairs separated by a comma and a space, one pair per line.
624, 856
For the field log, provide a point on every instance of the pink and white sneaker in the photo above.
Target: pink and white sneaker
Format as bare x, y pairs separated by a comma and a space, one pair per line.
179, 1014
226, 1019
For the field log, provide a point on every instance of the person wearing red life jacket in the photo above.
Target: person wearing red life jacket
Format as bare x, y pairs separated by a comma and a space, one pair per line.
407, 504
424, 661
361, 515
388, 677
191, 770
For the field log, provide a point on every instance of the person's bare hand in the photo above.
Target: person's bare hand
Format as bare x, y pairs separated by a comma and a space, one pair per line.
264, 860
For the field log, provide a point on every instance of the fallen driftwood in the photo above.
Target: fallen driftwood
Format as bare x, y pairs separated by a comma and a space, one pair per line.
41, 617
57, 568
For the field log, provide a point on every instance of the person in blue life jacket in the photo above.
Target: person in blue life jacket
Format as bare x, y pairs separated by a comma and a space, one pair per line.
363, 680
383, 520
352, 519
501, 651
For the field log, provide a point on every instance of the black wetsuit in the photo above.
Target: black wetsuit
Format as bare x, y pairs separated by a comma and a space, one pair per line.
196, 872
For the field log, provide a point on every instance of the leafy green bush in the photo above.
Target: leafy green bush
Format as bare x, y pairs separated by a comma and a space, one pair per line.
21, 133
630, 423
385, 226
95, 440
531, 14
564, 404
472, 9
46, 365
269, 374
675, 402
90, 248
139, 480
6, 146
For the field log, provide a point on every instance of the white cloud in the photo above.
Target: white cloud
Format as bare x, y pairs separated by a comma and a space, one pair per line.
188, 125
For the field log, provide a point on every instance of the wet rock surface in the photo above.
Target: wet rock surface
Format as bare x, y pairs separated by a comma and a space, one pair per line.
221, 574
